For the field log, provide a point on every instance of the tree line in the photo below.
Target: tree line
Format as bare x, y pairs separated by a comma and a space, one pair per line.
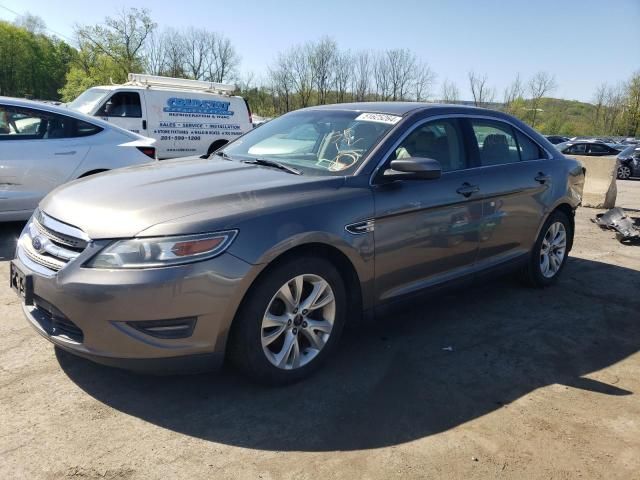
34, 64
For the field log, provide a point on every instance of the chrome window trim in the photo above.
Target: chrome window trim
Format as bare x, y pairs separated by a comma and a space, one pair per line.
456, 115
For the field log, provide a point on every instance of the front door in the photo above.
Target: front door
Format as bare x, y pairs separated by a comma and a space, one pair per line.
126, 110
38, 151
426, 231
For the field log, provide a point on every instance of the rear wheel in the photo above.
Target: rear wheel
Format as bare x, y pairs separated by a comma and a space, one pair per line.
290, 322
624, 172
550, 251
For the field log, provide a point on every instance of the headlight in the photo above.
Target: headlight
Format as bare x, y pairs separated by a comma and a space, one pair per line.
162, 251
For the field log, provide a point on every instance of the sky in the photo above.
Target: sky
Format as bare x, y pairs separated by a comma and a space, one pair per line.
584, 43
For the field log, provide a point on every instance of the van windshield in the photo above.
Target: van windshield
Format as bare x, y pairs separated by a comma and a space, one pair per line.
88, 101
317, 142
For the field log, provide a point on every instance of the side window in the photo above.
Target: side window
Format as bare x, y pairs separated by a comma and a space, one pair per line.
595, 148
579, 148
496, 142
440, 140
122, 104
17, 123
529, 150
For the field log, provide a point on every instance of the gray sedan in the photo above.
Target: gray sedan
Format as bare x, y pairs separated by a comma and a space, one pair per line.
263, 258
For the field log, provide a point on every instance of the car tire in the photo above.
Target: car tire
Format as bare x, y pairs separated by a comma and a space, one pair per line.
260, 336
624, 172
549, 254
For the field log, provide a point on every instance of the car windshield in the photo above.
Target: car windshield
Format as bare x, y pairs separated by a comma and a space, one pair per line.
88, 101
629, 151
315, 142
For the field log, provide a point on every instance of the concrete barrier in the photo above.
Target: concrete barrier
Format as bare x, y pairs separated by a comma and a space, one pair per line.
600, 189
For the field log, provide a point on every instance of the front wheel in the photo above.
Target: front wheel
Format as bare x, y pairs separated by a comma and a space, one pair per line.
550, 252
624, 172
290, 321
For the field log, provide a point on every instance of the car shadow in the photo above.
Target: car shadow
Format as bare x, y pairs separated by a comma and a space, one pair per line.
9, 233
427, 369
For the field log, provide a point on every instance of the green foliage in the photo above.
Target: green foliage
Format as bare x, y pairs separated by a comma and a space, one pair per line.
101, 71
31, 64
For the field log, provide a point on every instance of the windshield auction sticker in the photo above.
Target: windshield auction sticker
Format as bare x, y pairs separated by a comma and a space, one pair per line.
379, 117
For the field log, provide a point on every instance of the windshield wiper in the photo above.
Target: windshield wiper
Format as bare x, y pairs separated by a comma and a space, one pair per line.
271, 163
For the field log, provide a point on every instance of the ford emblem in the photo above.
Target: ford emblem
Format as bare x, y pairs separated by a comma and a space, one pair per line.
36, 243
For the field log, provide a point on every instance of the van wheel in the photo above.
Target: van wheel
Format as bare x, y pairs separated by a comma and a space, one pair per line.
215, 146
290, 323
550, 252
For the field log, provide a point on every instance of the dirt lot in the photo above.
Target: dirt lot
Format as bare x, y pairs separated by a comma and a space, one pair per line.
539, 384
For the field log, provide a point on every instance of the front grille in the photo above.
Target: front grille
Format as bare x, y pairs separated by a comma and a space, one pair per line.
54, 322
51, 244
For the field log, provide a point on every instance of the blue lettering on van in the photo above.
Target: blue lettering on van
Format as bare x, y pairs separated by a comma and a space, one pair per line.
193, 105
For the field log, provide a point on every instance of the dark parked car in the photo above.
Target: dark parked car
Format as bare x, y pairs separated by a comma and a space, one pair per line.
556, 139
629, 160
589, 148
265, 257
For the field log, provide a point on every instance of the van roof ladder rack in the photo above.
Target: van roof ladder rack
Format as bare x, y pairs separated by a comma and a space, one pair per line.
143, 80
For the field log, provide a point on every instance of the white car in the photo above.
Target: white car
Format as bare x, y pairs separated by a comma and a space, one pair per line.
43, 146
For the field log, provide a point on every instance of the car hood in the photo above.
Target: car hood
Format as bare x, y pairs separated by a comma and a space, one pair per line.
125, 202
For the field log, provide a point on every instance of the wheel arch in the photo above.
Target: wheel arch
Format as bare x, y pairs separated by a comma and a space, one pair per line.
566, 208
216, 145
345, 267
93, 172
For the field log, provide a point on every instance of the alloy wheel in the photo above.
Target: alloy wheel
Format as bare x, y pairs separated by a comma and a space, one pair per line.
624, 172
553, 249
298, 321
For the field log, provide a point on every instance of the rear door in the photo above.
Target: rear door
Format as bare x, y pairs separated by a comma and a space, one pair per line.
516, 180
126, 109
39, 150
426, 231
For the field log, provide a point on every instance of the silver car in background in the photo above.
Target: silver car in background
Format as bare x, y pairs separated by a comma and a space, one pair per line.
43, 146
262, 253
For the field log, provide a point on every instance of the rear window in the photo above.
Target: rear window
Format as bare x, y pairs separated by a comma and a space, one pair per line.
19, 123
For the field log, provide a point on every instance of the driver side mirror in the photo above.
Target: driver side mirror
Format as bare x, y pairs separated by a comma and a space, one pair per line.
413, 168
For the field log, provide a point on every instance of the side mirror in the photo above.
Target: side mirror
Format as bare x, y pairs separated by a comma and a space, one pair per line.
413, 168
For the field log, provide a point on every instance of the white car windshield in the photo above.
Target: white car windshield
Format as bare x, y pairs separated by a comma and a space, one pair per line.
88, 101
316, 142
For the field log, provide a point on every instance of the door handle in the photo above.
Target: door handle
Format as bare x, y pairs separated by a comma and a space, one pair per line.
70, 152
466, 189
542, 178
144, 124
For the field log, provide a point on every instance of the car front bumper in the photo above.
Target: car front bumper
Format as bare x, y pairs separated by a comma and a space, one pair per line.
97, 313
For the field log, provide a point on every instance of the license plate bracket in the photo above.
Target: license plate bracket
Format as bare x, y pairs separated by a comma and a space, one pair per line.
21, 283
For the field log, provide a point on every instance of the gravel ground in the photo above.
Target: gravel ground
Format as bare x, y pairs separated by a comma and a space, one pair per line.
536, 384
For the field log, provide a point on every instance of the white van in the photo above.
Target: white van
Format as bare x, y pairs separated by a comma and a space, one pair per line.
186, 117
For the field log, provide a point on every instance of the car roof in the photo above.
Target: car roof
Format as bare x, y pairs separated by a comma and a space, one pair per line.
400, 108
48, 107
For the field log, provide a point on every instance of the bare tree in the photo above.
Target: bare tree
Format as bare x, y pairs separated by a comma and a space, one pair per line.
539, 85
482, 93
122, 37
223, 60
450, 92
381, 77
174, 51
402, 66
155, 54
513, 93
343, 68
362, 75
323, 58
32, 23
424, 79
197, 45
282, 86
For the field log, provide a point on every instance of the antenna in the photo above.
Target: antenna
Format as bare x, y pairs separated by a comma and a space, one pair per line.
143, 80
